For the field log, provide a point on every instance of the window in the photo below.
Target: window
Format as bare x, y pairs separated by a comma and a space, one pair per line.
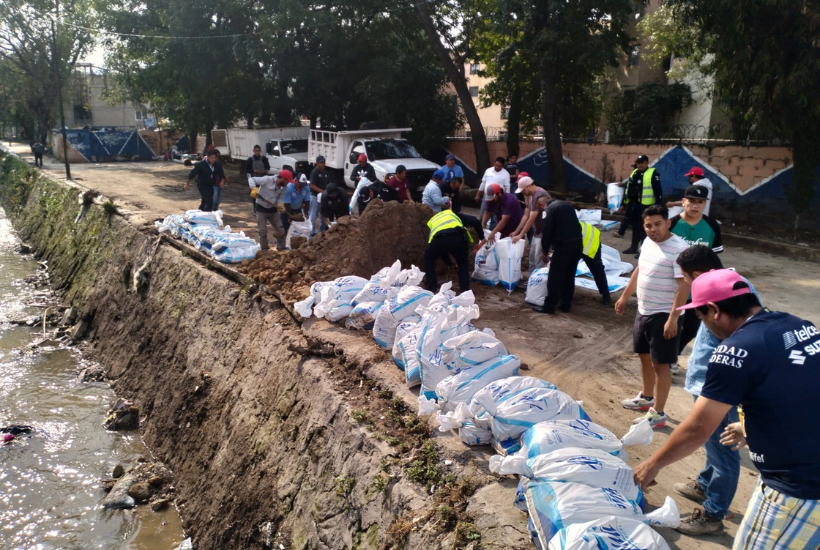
391, 149
473, 91
505, 113
635, 55
474, 68
81, 114
138, 115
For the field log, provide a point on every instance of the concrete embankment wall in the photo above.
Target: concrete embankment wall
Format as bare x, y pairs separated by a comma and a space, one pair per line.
250, 410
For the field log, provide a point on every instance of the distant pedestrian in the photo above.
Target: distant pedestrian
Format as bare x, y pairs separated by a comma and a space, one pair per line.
643, 189
270, 207
206, 172
451, 169
319, 180
696, 177
334, 204
363, 169
219, 184
532, 193
506, 209
511, 166
400, 183
662, 289
257, 164
38, 150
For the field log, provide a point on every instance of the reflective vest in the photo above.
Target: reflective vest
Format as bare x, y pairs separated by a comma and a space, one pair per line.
446, 219
592, 239
647, 193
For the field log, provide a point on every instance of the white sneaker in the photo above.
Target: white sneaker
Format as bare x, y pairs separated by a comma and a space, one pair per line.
639, 403
656, 419
675, 368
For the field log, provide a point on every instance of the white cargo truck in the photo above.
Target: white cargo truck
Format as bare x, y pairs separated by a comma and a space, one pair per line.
286, 148
385, 150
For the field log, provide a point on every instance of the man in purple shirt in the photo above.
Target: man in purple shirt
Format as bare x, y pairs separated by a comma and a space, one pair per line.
507, 211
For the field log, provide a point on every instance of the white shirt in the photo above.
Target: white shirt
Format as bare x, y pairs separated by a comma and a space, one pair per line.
658, 273
502, 178
708, 185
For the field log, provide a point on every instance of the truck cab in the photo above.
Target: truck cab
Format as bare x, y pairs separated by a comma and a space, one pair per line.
288, 154
385, 154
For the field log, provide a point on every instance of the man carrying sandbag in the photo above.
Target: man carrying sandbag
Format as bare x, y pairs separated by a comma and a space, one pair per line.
269, 194
447, 237
562, 233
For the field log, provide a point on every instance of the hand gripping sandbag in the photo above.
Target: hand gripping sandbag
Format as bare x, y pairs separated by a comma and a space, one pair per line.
610, 532
509, 262
591, 467
460, 388
552, 435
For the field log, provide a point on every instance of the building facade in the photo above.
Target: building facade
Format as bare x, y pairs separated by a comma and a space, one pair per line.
86, 104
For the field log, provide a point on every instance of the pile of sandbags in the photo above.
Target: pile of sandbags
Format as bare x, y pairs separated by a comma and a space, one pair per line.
204, 231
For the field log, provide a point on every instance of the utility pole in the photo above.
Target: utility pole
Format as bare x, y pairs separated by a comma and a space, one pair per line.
55, 66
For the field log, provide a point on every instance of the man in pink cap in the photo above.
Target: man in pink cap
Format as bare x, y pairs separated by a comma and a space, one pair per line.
696, 177
769, 364
532, 193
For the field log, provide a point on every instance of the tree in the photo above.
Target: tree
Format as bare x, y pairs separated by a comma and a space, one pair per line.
763, 55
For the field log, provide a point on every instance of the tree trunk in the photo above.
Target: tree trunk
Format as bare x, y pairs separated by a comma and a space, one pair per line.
805, 158
459, 81
514, 122
552, 136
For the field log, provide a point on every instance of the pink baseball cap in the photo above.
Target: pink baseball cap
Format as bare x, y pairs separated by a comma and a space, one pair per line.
715, 286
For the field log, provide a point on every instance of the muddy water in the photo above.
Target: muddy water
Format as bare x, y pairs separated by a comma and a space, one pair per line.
50, 481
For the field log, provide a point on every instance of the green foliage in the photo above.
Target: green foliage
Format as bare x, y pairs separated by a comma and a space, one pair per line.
646, 112
343, 485
425, 469
359, 415
379, 484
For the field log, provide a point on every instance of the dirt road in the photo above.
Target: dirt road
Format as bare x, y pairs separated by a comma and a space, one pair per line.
587, 352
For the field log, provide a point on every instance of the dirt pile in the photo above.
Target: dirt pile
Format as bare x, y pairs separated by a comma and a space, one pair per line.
355, 246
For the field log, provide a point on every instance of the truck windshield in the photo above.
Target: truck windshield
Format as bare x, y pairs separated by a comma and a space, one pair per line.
391, 149
291, 146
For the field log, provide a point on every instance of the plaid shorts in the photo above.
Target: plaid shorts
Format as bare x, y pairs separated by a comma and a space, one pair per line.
776, 521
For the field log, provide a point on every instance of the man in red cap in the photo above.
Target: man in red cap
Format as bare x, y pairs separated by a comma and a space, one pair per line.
505, 207
696, 177
363, 169
768, 362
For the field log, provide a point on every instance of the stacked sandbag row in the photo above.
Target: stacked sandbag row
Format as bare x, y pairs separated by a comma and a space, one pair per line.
204, 231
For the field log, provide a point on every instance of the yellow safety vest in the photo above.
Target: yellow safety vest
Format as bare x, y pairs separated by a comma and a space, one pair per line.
592, 239
446, 219
647, 193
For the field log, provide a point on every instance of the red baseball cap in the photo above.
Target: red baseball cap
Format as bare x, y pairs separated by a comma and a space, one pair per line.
695, 171
715, 286
521, 175
362, 157
287, 174
492, 191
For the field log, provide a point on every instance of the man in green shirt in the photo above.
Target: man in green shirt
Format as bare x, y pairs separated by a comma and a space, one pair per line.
696, 229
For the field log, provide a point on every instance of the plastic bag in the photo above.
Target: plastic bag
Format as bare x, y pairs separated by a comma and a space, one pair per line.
608, 532
537, 287
614, 196
552, 435
509, 262
460, 388
298, 229
363, 315
485, 269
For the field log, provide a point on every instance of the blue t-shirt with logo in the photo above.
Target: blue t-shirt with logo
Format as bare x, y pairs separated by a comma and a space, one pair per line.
450, 173
771, 366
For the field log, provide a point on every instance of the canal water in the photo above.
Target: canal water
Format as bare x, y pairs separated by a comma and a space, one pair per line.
50, 481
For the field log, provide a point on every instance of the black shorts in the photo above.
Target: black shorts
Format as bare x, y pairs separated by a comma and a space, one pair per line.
647, 337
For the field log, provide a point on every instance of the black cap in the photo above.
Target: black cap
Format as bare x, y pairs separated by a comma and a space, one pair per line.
400, 168
332, 189
696, 192
642, 158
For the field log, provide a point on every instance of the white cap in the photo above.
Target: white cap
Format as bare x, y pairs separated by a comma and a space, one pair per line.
526, 181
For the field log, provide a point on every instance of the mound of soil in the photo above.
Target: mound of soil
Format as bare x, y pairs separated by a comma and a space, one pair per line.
354, 246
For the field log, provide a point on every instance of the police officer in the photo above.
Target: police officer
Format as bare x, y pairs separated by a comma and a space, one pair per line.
591, 255
562, 232
447, 237
643, 189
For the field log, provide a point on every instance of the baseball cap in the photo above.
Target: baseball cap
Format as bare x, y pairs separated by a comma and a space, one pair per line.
303, 179
641, 158
320, 158
522, 175
715, 286
492, 191
526, 181
438, 174
332, 189
362, 157
696, 192
695, 171
287, 174
451, 156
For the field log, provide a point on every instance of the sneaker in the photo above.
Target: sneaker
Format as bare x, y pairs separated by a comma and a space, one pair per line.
691, 490
675, 368
700, 523
656, 419
639, 403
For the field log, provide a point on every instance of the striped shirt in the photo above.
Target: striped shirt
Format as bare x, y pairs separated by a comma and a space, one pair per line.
657, 271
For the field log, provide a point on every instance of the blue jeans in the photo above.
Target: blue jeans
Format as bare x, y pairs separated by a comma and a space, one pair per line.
719, 476
314, 213
217, 197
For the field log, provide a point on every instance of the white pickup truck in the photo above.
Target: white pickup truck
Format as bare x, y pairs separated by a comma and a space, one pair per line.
385, 150
286, 148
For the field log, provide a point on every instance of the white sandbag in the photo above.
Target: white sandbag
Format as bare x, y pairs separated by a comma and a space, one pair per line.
500, 389
509, 262
409, 357
606, 225
298, 229
396, 310
363, 315
472, 435
590, 215
406, 277
553, 506
203, 218
236, 255
344, 288
609, 532
305, 307
472, 348
614, 196
537, 287
407, 325
376, 289
514, 413
552, 435
591, 467
485, 269
338, 312
384, 326
460, 388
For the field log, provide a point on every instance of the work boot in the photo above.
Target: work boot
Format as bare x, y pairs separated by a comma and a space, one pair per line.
700, 523
607, 301
631, 250
618, 236
691, 490
542, 309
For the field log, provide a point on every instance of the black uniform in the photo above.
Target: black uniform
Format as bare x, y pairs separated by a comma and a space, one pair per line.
367, 171
563, 233
205, 175
634, 207
38, 149
445, 243
334, 208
